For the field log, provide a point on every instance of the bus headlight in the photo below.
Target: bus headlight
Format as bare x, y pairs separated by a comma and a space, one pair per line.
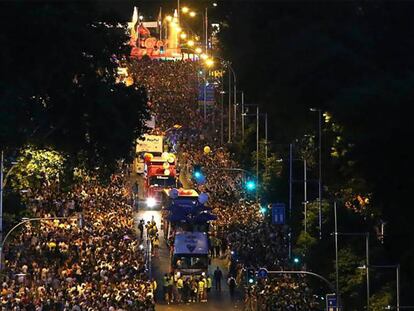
151, 202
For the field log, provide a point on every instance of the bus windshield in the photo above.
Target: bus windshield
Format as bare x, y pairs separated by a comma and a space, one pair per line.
162, 181
190, 262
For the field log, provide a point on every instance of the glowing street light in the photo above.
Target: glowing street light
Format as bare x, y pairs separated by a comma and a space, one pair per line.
209, 62
183, 35
190, 43
185, 9
198, 50
204, 56
214, 3
169, 18
141, 17
192, 14
151, 202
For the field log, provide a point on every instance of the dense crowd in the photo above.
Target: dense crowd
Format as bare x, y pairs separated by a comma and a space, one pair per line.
247, 241
282, 293
172, 88
241, 232
92, 261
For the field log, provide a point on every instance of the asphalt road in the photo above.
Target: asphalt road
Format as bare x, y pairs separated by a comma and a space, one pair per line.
160, 265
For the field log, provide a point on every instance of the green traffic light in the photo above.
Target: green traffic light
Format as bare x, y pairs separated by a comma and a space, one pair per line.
250, 185
296, 260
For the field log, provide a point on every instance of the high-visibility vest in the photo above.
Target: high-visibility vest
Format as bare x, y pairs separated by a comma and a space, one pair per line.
200, 286
209, 282
180, 283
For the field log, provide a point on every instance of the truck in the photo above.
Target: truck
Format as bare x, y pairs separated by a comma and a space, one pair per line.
159, 174
153, 144
185, 223
190, 253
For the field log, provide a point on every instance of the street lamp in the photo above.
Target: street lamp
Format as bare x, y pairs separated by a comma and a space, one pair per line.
364, 234
320, 168
397, 272
228, 64
3, 182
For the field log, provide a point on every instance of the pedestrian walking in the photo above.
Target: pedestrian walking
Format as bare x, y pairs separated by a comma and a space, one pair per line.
200, 290
180, 286
218, 275
165, 283
186, 291
141, 228
209, 283
171, 287
217, 246
194, 289
231, 282
155, 245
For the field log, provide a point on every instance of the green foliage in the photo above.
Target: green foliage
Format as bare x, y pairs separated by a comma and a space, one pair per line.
304, 243
35, 166
382, 299
58, 87
313, 215
307, 150
351, 278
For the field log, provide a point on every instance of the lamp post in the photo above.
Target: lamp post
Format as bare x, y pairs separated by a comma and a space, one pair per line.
22, 222
228, 65
366, 236
397, 270
3, 182
320, 168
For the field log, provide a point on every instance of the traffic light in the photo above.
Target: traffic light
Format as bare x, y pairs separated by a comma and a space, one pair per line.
296, 260
251, 276
198, 174
263, 210
250, 185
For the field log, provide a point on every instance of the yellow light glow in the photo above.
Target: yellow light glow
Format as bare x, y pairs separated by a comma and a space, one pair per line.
183, 35
197, 38
209, 62
178, 29
169, 18
185, 9
190, 43
198, 50
192, 14
204, 56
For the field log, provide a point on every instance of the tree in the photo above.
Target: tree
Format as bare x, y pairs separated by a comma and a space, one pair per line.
58, 86
35, 167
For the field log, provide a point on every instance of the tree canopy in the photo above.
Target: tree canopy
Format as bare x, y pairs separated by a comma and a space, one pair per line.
59, 89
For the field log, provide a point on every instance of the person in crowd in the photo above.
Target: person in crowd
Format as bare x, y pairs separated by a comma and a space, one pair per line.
218, 275
231, 282
180, 286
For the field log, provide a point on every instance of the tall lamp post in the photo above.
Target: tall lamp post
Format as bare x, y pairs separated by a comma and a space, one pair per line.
363, 234
397, 272
228, 65
320, 168
3, 182
257, 115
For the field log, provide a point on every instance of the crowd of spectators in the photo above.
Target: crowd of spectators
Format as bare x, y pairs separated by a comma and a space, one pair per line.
282, 293
241, 232
247, 241
91, 260
172, 88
